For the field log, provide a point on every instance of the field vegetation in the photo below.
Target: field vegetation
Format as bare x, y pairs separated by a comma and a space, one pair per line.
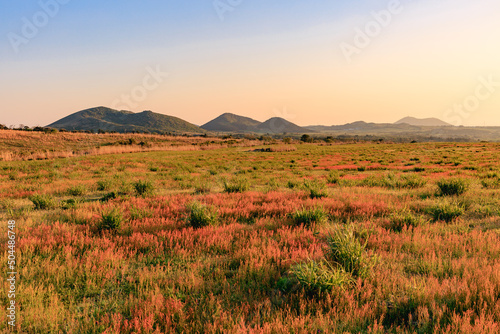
337, 238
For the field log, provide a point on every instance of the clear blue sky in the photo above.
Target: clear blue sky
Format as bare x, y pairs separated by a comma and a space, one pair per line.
264, 59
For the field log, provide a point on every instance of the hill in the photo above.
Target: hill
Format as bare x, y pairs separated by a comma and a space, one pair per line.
235, 123
422, 121
124, 121
231, 123
279, 125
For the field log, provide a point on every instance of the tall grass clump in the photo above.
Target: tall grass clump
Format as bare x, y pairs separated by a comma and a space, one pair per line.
346, 250
333, 177
143, 188
308, 217
103, 185
410, 181
201, 215
43, 202
237, 185
202, 187
315, 276
404, 218
111, 220
446, 211
316, 189
452, 187
79, 190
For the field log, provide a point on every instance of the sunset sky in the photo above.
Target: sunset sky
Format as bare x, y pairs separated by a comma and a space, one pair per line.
312, 62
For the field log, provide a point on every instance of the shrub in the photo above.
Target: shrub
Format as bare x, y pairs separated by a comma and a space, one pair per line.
110, 220
201, 215
143, 188
447, 211
238, 185
348, 252
316, 276
43, 202
308, 217
451, 187
79, 190
316, 189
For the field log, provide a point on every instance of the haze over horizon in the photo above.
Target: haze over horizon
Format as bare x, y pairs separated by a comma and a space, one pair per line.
306, 62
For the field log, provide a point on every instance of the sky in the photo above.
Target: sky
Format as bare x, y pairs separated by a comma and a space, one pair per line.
315, 62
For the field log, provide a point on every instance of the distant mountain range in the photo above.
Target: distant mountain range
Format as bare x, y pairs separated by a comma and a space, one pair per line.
147, 121
102, 118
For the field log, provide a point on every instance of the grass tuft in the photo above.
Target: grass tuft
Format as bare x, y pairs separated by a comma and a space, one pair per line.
201, 215
143, 188
452, 187
315, 276
43, 202
111, 220
346, 250
308, 217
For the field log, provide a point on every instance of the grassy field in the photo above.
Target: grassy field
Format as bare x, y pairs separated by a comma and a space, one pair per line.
300, 238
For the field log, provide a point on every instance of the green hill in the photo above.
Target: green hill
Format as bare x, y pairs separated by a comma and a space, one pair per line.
124, 121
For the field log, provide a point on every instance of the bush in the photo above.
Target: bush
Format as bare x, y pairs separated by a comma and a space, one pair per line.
110, 220
447, 211
143, 188
316, 189
79, 190
452, 187
201, 216
238, 185
316, 276
308, 217
348, 252
43, 202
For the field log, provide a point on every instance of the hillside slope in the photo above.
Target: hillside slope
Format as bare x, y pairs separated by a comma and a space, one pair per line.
124, 121
422, 121
231, 123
